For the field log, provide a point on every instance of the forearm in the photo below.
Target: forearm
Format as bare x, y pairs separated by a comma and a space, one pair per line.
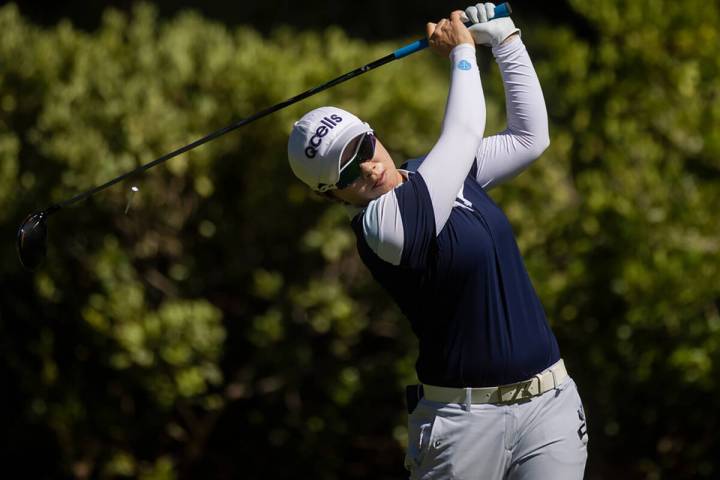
524, 102
446, 166
504, 155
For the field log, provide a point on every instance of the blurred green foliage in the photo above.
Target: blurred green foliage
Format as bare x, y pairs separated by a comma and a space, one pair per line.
225, 328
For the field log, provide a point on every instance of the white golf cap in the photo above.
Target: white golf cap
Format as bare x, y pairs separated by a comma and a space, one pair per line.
317, 142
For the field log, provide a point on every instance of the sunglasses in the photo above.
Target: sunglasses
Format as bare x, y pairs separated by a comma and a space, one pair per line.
364, 151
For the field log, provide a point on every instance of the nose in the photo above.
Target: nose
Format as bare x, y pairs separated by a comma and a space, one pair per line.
367, 168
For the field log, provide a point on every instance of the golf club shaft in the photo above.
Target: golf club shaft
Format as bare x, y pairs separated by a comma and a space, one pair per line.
502, 10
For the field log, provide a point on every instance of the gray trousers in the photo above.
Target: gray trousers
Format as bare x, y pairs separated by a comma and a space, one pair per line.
544, 437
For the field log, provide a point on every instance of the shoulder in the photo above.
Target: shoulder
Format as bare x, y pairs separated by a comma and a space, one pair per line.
413, 164
382, 227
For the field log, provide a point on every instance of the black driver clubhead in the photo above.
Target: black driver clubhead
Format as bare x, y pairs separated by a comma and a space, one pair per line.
32, 240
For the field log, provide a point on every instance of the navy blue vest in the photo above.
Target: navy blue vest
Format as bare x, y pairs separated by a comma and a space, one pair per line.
466, 291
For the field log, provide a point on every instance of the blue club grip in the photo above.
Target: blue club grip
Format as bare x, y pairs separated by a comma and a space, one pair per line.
411, 48
502, 10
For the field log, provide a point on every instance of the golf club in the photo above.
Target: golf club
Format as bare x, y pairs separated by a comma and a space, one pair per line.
32, 234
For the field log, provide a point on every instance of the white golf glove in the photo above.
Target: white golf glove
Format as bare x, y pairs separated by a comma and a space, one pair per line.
485, 32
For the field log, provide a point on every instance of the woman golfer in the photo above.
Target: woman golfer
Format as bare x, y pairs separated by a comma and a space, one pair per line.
496, 401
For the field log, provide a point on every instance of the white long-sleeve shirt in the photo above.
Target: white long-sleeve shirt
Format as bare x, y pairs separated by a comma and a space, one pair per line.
447, 254
461, 145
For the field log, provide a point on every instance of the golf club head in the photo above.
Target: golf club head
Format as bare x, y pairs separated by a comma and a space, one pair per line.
32, 240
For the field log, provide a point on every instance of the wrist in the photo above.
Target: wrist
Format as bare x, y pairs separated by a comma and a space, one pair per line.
511, 38
508, 46
462, 51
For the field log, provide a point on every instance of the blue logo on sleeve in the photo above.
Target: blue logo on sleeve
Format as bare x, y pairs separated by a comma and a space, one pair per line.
464, 65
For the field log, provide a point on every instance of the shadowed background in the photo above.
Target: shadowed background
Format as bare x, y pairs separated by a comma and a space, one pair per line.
225, 328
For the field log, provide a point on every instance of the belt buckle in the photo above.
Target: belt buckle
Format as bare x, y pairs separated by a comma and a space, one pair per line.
508, 388
522, 391
500, 398
525, 391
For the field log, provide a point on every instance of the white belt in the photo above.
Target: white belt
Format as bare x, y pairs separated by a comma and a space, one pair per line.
542, 382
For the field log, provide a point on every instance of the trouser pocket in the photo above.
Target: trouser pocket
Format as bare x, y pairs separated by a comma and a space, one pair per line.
423, 430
